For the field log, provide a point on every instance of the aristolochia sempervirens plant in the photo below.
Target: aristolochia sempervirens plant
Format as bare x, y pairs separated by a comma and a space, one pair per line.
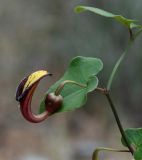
70, 92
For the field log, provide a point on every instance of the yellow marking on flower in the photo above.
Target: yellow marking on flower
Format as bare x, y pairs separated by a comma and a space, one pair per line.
34, 77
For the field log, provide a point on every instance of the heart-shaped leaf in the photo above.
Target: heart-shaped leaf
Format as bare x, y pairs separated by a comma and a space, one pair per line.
134, 136
81, 70
129, 23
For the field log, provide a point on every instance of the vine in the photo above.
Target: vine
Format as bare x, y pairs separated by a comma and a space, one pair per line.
70, 92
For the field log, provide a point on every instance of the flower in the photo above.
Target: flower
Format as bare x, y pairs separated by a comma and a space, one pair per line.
25, 93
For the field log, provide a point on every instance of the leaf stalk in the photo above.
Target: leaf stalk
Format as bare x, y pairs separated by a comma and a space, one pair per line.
96, 152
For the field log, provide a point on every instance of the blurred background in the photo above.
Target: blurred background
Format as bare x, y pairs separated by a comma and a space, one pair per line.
47, 34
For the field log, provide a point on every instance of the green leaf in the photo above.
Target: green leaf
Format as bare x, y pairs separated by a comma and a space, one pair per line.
134, 136
83, 71
129, 23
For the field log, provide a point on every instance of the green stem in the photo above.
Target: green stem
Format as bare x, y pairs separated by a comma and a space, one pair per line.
131, 34
115, 69
107, 94
118, 122
61, 86
96, 152
117, 64
111, 149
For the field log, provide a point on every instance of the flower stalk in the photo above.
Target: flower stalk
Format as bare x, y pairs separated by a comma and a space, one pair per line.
62, 85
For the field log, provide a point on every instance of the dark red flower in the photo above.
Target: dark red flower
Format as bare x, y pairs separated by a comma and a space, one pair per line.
25, 93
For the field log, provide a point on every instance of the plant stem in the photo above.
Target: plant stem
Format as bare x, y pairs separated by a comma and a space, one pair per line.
111, 149
61, 86
118, 122
96, 152
107, 94
117, 64
131, 34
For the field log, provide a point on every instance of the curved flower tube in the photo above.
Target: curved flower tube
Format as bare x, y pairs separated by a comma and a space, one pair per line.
24, 95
